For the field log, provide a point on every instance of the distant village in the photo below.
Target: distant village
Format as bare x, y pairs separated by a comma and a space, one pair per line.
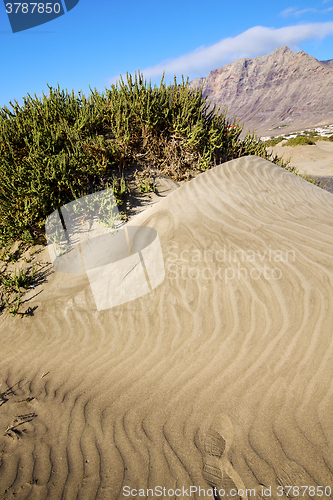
325, 131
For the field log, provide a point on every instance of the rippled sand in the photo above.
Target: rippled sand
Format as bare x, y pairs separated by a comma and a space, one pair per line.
221, 376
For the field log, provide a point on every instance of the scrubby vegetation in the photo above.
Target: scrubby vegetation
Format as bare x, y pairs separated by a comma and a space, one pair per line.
300, 140
306, 138
64, 146
329, 138
273, 141
13, 282
11, 285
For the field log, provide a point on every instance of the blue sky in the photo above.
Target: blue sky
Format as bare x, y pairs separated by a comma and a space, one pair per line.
98, 40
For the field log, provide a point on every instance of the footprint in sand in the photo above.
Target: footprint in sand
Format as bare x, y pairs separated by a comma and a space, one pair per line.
214, 443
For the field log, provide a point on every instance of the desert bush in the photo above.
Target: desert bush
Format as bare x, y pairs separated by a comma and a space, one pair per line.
273, 141
50, 154
300, 140
64, 146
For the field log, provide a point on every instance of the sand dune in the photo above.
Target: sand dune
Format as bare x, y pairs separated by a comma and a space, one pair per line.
315, 160
221, 376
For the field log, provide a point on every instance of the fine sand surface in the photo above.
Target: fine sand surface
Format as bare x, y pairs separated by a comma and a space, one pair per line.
315, 160
222, 375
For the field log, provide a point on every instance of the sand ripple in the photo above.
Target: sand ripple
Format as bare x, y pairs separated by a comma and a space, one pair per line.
220, 376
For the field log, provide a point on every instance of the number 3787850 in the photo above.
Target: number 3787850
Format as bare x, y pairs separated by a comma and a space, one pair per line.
32, 8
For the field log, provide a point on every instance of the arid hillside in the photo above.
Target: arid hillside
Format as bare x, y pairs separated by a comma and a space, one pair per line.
282, 89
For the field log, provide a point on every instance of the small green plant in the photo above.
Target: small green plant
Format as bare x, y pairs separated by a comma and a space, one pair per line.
13, 308
280, 126
6, 256
119, 188
145, 183
146, 186
313, 180
10, 288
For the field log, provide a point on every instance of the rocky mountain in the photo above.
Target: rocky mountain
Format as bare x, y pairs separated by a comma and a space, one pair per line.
329, 62
282, 89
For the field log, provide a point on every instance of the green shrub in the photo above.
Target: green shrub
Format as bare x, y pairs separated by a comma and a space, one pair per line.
300, 140
50, 153
273, 141
66, 146
312, 134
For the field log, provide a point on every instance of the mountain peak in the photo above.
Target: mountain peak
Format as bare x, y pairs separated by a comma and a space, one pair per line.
281, 50
280, 88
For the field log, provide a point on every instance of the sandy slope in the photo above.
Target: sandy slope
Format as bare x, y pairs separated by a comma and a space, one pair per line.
315, 160
222, 375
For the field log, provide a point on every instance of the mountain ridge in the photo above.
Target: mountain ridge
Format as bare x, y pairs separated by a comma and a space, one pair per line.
329, 62
280, 89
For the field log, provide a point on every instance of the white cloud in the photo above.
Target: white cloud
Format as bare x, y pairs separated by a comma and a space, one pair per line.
292, 11
288, 12
253, 42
